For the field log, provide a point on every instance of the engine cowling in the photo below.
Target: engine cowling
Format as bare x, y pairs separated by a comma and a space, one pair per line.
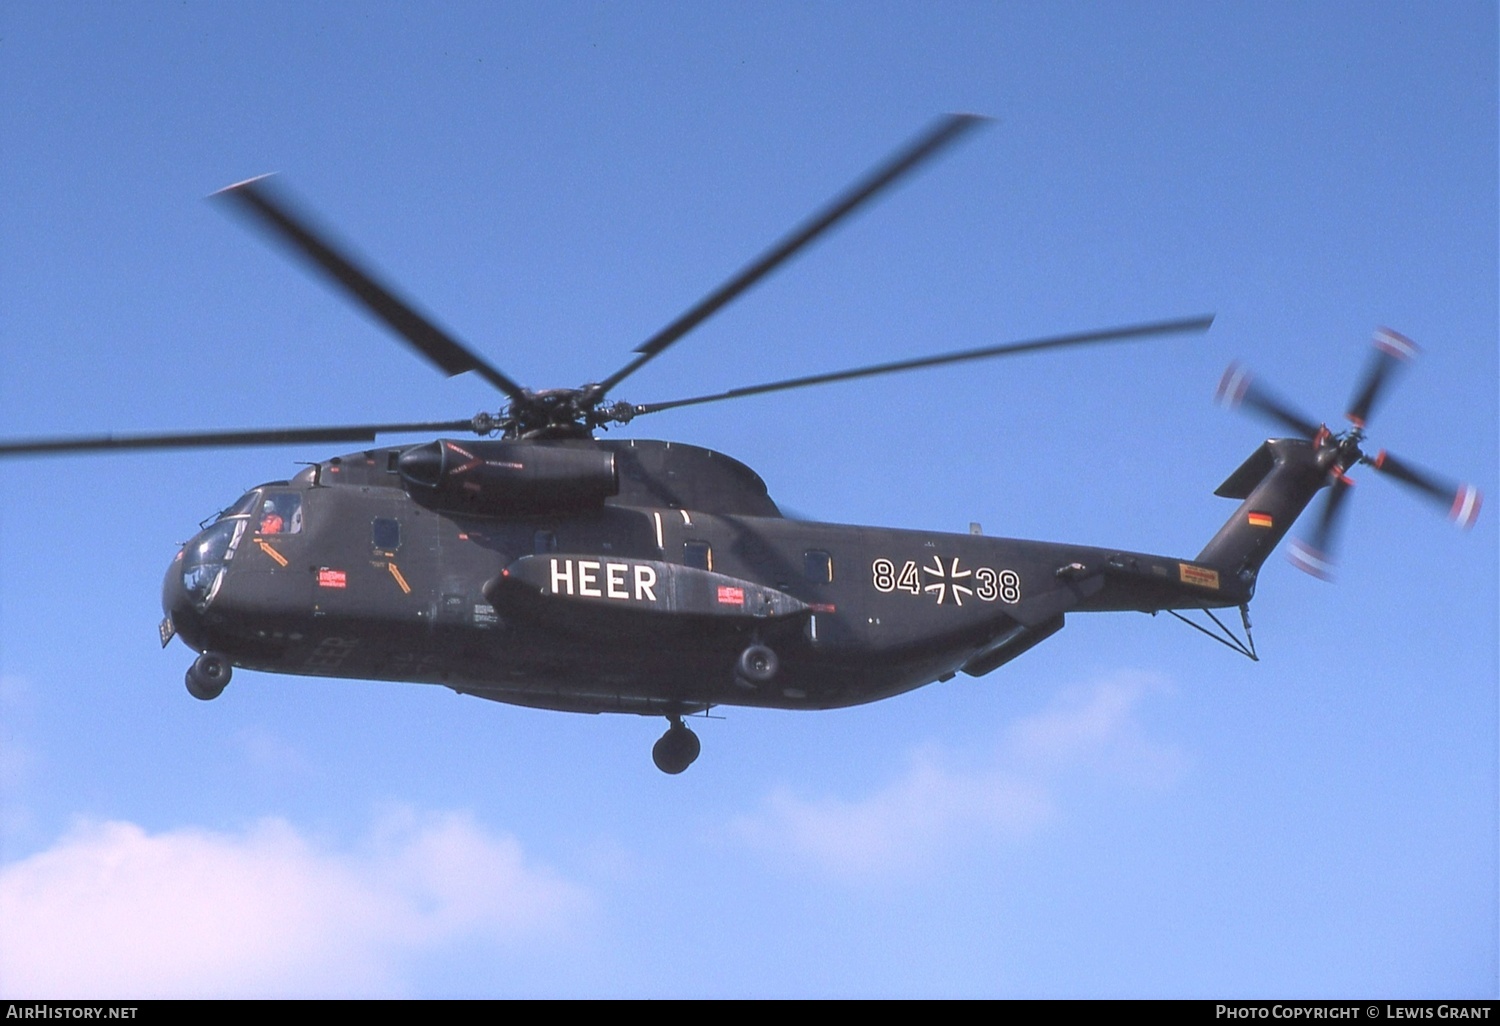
508, 478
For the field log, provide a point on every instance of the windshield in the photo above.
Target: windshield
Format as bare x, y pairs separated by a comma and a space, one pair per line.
243, 507
205, 557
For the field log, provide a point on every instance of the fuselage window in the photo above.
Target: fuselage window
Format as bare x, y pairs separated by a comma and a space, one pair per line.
818, 565
385, 534
281, 513
698, 554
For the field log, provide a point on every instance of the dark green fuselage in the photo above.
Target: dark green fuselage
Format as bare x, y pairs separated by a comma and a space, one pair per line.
639, 601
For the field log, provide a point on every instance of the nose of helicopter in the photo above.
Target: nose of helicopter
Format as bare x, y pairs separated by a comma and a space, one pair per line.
174, 600
181, 615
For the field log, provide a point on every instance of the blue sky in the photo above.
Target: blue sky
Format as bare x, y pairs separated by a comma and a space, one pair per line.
1127, 810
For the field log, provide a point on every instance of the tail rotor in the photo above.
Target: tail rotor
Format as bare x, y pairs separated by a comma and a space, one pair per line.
1337, 452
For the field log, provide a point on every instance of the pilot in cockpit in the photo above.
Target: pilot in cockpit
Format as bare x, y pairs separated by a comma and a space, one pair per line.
281, 514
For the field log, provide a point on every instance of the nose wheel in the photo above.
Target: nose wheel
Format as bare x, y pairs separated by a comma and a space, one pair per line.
676, 750
209, 675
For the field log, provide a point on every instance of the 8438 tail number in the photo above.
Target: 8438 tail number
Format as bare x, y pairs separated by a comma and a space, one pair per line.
946, 580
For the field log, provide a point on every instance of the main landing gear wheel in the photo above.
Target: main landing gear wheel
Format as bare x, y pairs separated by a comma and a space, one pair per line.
208, 676
675, 750
757, 664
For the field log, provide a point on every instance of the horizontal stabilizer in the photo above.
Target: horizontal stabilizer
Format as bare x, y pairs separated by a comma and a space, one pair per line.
1252, 472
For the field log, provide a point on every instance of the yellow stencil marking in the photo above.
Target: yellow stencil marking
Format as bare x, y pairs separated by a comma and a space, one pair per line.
1197, 575
405, 588
264, 547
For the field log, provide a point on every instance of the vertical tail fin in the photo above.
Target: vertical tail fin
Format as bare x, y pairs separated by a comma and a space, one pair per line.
1277, 482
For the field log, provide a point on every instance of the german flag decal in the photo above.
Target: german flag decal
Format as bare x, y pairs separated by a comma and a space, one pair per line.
1259, 519
1200, 576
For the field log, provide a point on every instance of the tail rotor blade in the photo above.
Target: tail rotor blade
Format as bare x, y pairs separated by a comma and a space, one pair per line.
1391, 350
1315, 555
1462, 501
1238, 388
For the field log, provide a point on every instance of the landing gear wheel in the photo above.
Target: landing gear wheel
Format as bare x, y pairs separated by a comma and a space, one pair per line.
208, 676
757, 665
676, 750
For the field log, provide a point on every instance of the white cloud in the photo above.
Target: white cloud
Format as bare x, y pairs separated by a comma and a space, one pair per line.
273, 758
935, 805
1096, 728
112, 910
899, 826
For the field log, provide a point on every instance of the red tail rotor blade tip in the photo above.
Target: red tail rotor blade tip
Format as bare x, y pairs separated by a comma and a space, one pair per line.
1232, 385
1309, 560
1396, 344
1466, 506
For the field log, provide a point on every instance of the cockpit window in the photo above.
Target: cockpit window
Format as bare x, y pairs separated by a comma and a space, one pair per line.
280, 513
245, 506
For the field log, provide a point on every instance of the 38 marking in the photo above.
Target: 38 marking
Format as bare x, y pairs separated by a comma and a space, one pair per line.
946, 580
984, 584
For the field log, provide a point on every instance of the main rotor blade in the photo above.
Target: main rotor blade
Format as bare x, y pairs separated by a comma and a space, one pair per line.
1391, 350
1461, 501
1125, 334
1238, 388
274, 213
930, 143
214, 439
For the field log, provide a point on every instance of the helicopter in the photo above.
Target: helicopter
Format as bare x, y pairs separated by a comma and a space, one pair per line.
539, 565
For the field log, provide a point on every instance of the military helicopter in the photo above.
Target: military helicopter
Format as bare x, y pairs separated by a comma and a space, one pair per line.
541, 566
